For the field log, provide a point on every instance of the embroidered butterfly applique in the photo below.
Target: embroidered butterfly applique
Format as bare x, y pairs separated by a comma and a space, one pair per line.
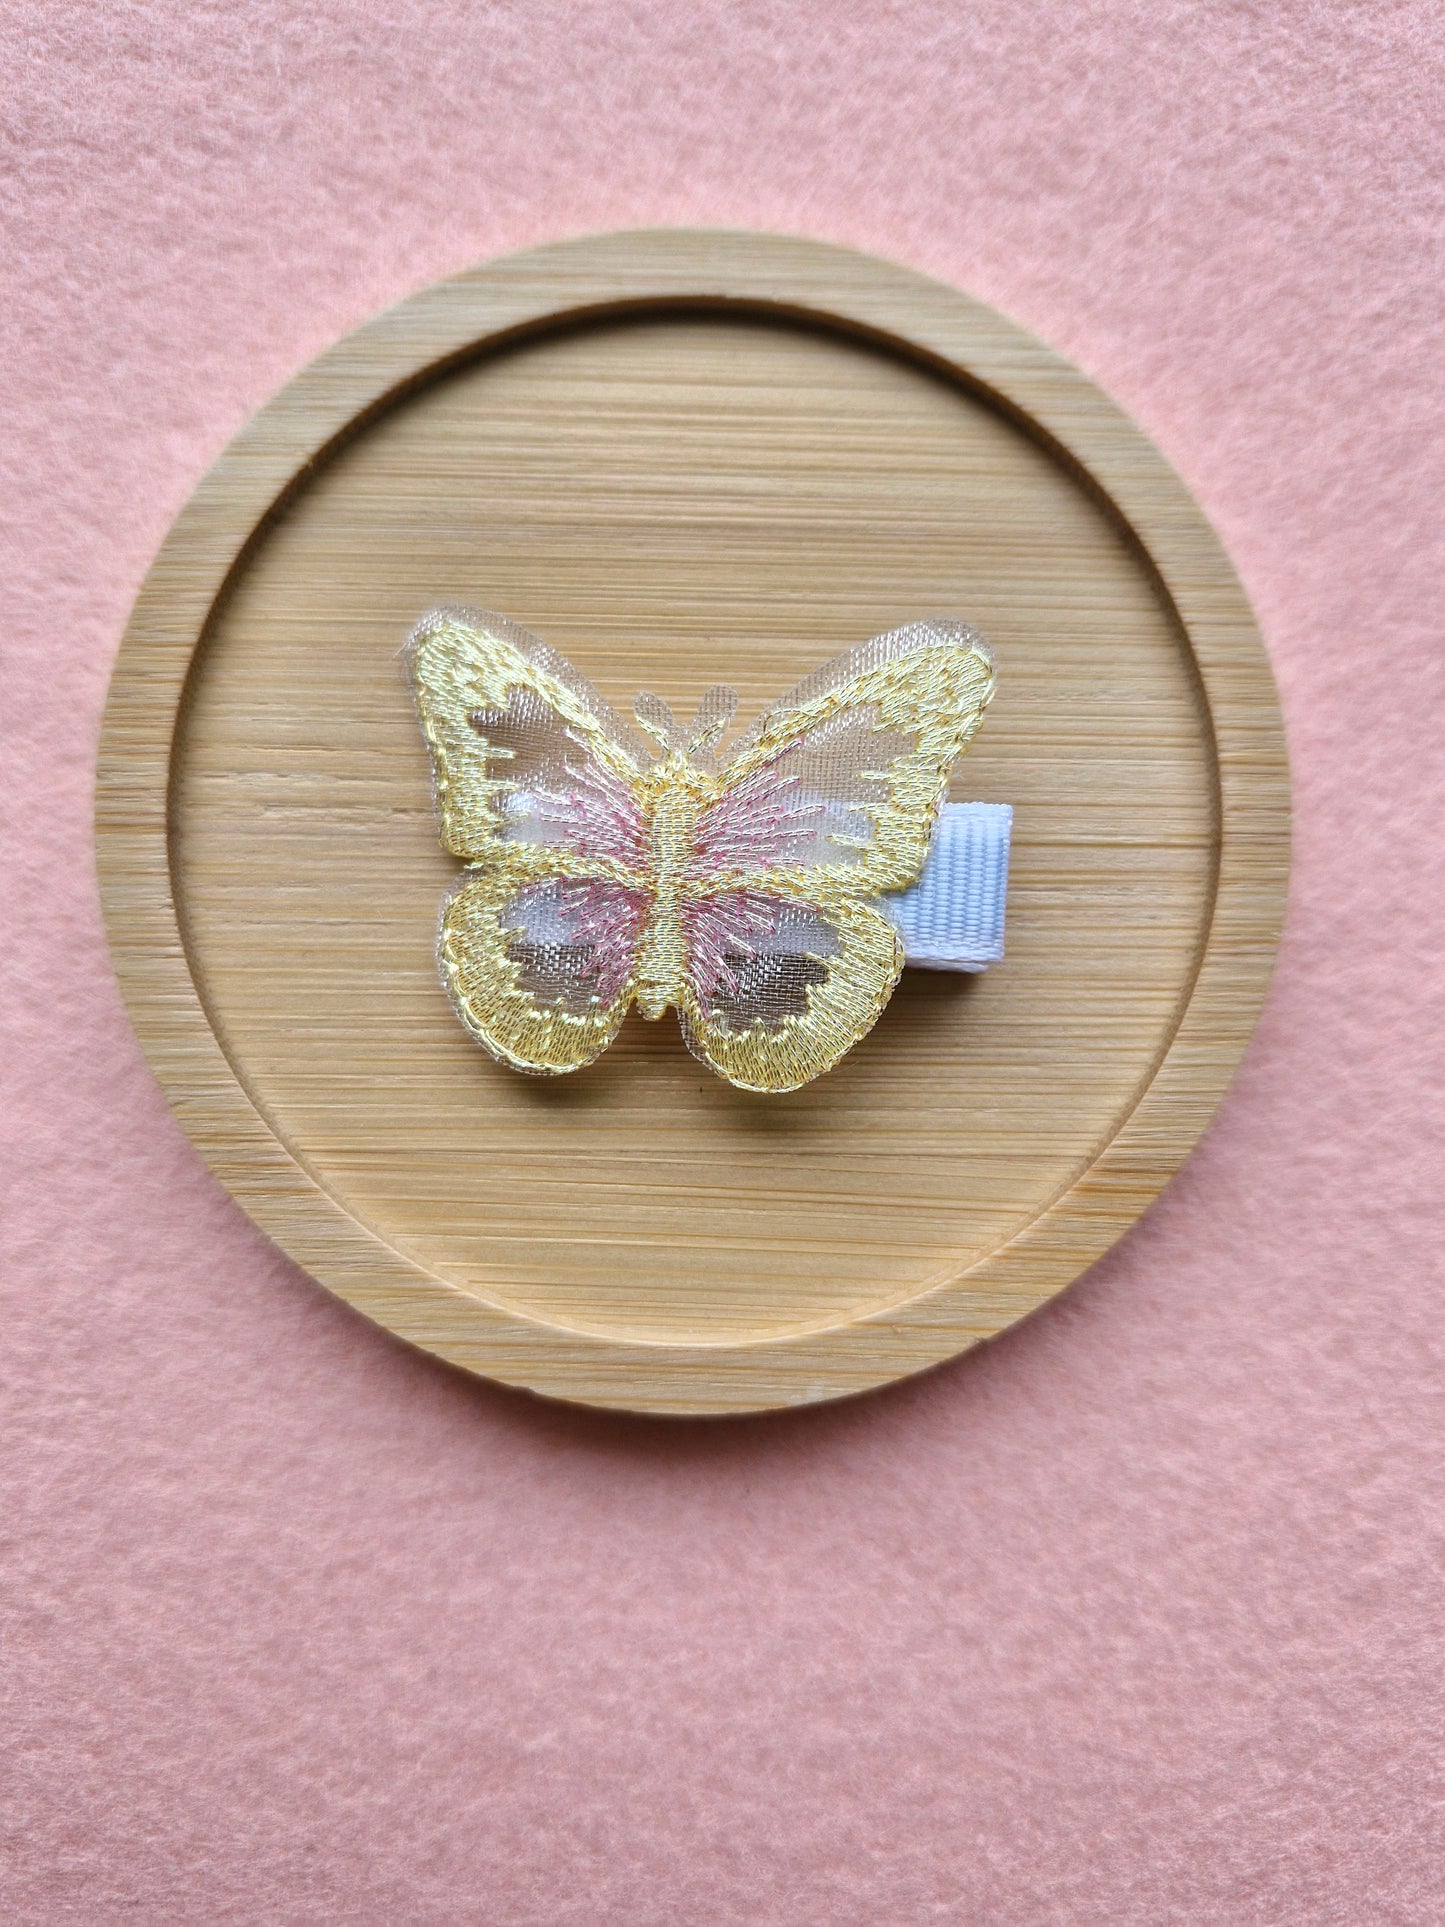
610, 864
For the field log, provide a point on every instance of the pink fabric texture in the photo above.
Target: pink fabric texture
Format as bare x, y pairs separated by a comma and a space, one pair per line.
1134, 1617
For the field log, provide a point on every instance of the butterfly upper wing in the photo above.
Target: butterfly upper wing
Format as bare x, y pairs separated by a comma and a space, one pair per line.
535, 780
839, 783
828, 803
528, 757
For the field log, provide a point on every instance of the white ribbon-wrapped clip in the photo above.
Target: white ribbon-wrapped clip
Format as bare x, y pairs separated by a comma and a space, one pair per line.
952, 918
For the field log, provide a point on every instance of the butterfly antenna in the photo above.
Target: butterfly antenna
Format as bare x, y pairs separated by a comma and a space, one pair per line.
656, 719
716, 710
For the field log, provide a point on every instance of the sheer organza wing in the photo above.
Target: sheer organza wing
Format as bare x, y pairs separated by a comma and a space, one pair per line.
541, 971
536, 785
778, 990
838, 784
533, 768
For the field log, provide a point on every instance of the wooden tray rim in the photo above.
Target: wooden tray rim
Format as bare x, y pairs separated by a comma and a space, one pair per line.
653, 270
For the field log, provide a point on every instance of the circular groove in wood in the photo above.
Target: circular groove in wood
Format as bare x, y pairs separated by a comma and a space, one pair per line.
684, 493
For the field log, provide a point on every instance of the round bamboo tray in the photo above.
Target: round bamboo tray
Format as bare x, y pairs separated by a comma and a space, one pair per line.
688, 457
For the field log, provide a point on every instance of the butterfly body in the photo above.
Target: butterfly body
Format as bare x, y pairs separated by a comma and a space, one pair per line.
610, 865
675, 795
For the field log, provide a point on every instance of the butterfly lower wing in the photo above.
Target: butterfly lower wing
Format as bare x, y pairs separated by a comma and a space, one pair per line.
779, 989
836, 787
541, 971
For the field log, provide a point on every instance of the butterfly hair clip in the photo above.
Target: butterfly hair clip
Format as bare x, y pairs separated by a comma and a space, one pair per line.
612, 862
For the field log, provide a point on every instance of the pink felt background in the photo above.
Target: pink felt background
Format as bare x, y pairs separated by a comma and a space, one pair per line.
1135, 1618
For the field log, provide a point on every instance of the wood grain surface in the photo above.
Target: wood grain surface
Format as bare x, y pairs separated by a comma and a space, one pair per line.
686, 458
